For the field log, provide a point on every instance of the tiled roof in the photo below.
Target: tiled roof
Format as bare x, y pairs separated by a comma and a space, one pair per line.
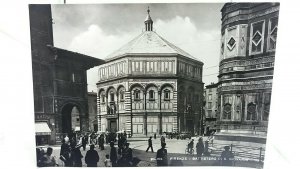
149, 43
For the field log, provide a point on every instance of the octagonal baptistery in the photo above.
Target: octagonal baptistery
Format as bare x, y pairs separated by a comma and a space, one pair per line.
249, 32
150, 86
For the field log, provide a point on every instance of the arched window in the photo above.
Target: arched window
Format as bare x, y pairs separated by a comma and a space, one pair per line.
102, 98
121, 95
151, 95
112, 97
166, 94
137, 95
227, 111
251, 111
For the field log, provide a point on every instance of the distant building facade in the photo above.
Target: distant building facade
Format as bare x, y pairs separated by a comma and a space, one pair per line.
211, 107
93, 118
59, 81
249, 32
150, 86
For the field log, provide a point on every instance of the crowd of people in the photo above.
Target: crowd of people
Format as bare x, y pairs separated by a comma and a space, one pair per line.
120, 156
71, 156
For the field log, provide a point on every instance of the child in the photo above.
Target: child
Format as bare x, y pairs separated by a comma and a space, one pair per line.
107, 161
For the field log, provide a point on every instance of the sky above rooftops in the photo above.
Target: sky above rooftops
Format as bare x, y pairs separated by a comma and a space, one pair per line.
99, 30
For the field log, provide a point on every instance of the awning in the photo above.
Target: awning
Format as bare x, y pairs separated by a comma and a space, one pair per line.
42, 128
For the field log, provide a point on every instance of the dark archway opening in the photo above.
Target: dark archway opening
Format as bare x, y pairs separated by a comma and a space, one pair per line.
70, 118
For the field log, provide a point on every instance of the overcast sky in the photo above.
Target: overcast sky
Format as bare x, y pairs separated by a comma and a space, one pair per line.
100, 29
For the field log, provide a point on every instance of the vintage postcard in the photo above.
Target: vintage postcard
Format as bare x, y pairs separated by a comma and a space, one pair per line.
153, 84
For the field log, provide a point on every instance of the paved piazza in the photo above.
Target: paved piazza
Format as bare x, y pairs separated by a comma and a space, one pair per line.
176, 154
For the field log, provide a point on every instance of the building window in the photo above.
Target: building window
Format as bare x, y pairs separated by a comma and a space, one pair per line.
137, 128
122, 96
152, 119
137, 120
73, 77
76, 77
151, 95
209, 97
251, 111
152, 128
209, 113
137, 95
272, 33
166, 94
112, 97
151, 66
209, 105
227, 111
102, 98
257, 37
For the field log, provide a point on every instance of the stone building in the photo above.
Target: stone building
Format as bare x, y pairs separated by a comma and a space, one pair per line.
93, 118
248, 45
211, 107
59, 81
150, 86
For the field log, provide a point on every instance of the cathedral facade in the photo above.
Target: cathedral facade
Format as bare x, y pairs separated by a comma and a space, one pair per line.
150, 86
248, 45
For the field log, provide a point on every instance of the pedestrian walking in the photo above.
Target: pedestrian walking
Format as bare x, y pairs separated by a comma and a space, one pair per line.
113, 154
154, 135
93, 139
162, 140
119, 144
227, 157
65, 154
84, 142
200, 148
150, 144
91, 157
125, 134
191, 146
107, 161
162, 156
101, 142
48, 160
76, 156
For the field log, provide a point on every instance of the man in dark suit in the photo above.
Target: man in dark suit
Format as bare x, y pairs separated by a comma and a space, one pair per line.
113, 154
150, 144
84, 141
92, 157
65, 153
162, 156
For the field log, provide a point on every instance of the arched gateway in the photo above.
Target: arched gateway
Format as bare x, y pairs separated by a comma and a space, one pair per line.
70, 118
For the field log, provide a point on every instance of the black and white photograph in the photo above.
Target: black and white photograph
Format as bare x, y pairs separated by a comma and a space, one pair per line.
152, 84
